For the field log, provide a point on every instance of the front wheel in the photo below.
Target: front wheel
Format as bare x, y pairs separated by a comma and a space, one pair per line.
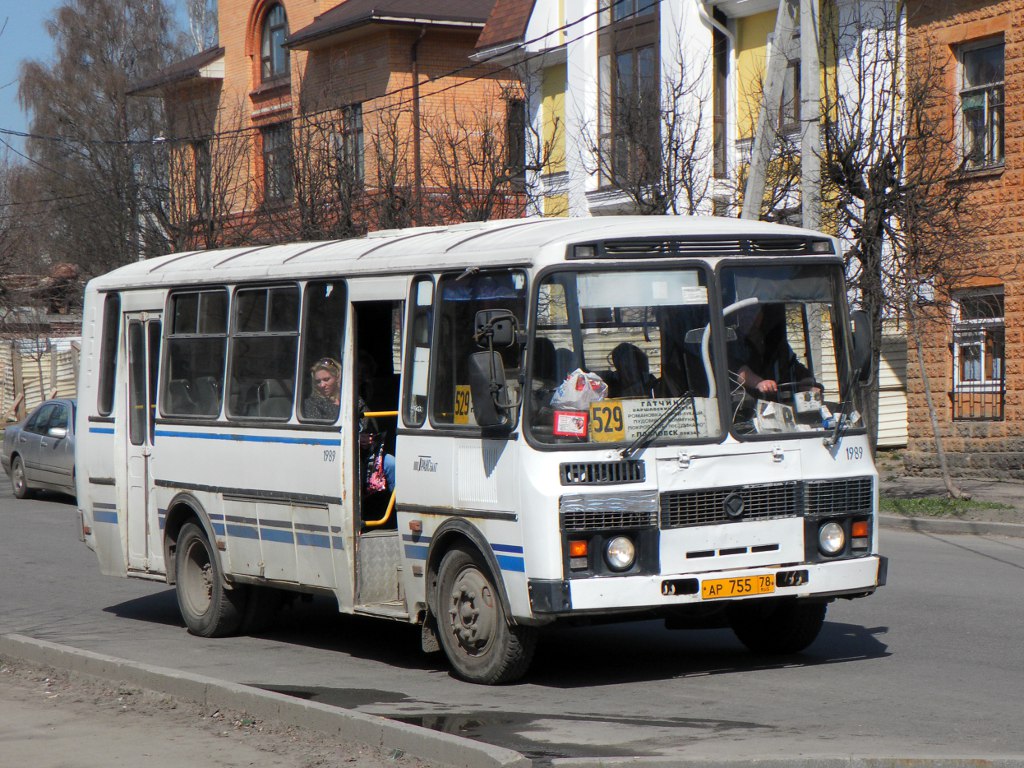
777, 627
18, 482
208, 608
475, 633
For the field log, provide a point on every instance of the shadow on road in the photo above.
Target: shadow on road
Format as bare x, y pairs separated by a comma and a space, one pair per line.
567, 657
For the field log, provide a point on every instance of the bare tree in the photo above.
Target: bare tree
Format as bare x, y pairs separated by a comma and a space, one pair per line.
391, 185
655, 143
893, 159
202, 24
88, 133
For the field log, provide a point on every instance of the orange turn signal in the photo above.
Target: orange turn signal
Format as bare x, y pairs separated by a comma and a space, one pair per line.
578, 548
859, 530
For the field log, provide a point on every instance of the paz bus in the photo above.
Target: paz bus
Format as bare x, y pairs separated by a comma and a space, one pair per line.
568, 403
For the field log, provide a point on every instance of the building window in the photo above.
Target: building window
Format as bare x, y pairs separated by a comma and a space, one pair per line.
789, 107
349, 148
515, 137
981, 104
202, 176
273, 54
629, 114
979, 355
277, 164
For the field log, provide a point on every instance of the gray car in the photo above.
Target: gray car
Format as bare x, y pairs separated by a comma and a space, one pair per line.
40, 451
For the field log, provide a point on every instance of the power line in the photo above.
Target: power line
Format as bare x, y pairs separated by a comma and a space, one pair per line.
157, 140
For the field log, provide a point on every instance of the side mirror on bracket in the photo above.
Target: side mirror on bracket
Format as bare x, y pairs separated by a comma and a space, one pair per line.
862, 357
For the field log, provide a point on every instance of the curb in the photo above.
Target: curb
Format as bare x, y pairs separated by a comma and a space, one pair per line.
434, 746
940, 525
798, 762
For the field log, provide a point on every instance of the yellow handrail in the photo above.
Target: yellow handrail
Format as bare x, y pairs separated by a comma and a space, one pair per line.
387, 514
379, 414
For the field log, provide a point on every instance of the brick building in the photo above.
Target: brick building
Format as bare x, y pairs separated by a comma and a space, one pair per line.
318, 119
974, 352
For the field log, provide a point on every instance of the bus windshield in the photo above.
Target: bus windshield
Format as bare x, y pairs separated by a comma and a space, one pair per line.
785, 348
629, 357
614, 353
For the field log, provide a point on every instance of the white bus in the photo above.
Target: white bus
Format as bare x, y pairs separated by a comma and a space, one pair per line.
578, 429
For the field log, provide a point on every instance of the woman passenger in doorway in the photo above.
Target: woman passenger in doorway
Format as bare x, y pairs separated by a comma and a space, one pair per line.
325, 400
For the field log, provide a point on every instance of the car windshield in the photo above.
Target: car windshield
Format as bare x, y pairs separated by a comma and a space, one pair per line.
785, 347
620, 357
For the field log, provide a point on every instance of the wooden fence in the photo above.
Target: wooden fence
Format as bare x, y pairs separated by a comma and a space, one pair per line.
32, 371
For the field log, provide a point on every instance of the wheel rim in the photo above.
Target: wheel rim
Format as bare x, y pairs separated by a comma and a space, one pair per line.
198, 578
19, 476
472, 611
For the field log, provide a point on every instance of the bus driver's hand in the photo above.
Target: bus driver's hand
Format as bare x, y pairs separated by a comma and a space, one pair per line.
767, 386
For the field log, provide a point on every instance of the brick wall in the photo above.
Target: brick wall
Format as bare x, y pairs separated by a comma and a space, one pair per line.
936, 31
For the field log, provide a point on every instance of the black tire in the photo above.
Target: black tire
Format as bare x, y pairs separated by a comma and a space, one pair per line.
18, 482
475, 633
777, 627
208, 608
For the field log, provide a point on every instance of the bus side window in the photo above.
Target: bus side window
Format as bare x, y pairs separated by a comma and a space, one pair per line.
417, 363
460, 297
264, 346
108, 353
196, 342
323, 327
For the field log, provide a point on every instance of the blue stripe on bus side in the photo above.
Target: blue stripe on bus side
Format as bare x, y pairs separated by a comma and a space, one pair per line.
416, 549
101, 430
336, 442
104, 516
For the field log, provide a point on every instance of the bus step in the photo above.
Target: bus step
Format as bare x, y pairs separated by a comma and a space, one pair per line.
394, 609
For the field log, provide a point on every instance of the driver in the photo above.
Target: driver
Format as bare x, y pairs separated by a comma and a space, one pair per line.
766, 359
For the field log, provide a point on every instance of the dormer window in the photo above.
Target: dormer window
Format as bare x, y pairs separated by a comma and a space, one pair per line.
273, 54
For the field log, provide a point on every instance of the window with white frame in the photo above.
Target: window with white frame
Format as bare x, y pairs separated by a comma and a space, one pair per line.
981, 104
978, 354
629, 117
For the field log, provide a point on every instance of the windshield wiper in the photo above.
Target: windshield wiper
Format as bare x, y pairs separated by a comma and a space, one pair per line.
647, 436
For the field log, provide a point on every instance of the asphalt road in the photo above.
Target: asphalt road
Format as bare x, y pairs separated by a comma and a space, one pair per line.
931, 666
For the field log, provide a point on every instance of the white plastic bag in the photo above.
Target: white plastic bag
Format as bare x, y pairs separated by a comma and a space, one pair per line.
579, 390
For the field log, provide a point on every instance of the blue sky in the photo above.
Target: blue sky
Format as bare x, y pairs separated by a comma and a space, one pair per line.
24, 37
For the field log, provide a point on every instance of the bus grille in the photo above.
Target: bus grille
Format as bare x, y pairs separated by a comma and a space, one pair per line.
839, 497
772, 501
710, 246
602, 472
707, 507
598, 520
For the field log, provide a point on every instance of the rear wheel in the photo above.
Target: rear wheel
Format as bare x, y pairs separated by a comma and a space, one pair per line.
777, 627
208, 608
18, 482
475, 633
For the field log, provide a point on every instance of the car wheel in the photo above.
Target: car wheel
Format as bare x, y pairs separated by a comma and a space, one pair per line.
18, 481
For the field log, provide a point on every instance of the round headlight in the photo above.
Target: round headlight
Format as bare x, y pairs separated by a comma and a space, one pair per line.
620, 553
831, 538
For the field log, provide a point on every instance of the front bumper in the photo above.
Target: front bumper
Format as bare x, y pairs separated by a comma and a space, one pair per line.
841, 578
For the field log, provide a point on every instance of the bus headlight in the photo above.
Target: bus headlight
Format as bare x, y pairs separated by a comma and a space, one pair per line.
831, 538
620, 553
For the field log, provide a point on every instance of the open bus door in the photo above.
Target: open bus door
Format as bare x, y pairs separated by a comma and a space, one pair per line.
142, 343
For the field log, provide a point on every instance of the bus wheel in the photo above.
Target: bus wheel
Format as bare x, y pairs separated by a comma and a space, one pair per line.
777, 627
477, 638
208, 608
18, 483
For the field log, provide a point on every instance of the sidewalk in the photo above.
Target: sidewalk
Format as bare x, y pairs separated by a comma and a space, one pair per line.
976, 519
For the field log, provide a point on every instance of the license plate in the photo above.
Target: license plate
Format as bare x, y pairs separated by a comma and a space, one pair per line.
713, 589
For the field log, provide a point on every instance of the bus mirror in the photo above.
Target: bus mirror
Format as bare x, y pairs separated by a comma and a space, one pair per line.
862, 345
488, 389
494, 328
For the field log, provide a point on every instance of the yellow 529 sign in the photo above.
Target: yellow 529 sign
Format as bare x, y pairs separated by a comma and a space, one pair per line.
607, 424
462, 403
